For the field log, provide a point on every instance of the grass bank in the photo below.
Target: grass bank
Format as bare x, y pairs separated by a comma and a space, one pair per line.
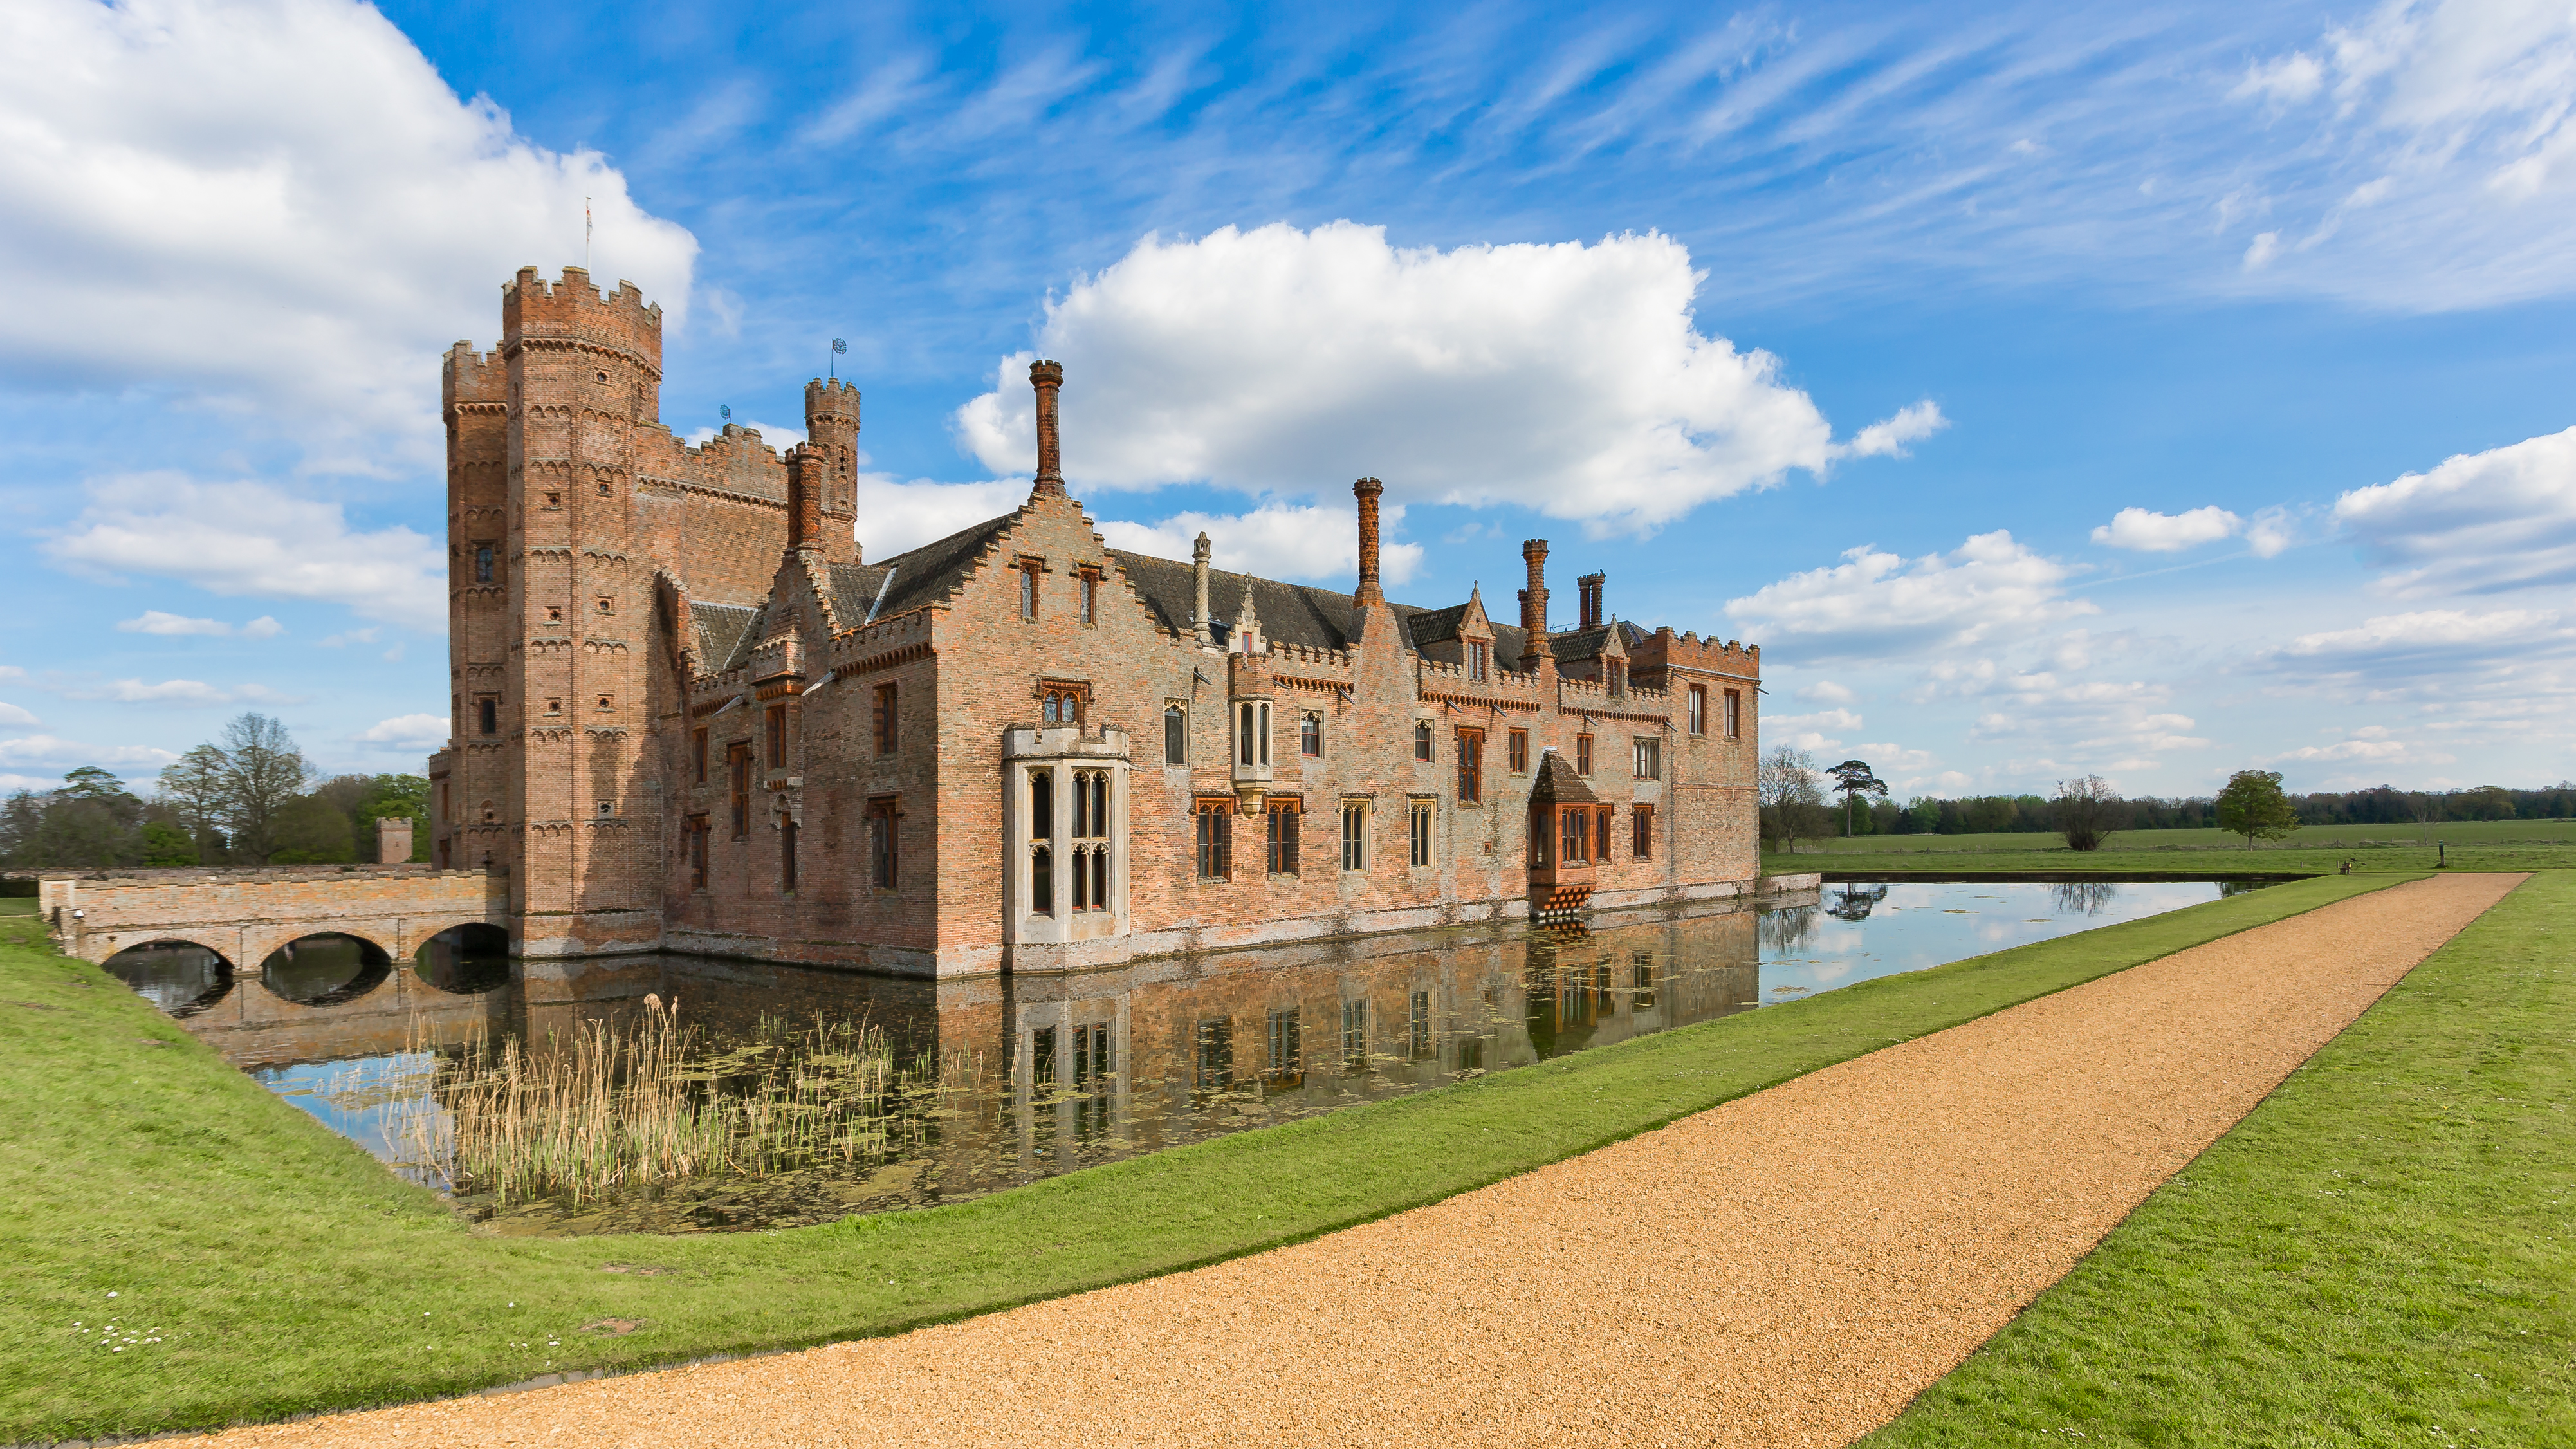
2383, 1252
261, 1266
2471, 845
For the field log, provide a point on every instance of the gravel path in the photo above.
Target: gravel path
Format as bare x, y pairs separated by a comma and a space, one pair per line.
1787, 1269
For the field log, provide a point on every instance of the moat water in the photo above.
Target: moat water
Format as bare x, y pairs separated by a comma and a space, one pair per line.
1010, 1079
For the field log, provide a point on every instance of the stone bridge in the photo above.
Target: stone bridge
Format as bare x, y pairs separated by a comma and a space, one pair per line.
243, 914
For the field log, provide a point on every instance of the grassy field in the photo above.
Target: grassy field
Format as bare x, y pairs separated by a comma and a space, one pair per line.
261, 1266
2472, 845
2383, 1252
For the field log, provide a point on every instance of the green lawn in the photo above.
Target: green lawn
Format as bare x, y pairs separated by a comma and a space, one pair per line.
2472, 845
17, 905
2383, 1252
276, 1268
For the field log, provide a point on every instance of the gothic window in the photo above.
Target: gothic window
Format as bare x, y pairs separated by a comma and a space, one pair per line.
1519, 746
1355, 835
1216, 839
1422, 739
1650, 757
1029, 568
1418, 832
881, 843
1471, 765
1060, 703
1281, 830
1641, 831
1252, 733
1176, 734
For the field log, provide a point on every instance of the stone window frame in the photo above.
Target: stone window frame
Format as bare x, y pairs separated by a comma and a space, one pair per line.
1641, 831
1213, 832
1422, 741
1176, 732
1697, 713
1477, 652
1029, 566
1086, 599
1471, 764
1421, 820
1355, 813
1283, 829
1310, 734
1646, 757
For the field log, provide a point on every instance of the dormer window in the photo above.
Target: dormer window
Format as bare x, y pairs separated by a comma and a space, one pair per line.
1476, 659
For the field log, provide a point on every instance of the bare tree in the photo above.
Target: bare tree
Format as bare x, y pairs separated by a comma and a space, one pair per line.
193, 787
2088, 811
262, 771
1792, 800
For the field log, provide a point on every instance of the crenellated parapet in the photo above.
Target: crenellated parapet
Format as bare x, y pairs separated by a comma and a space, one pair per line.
1665, 650
573, 313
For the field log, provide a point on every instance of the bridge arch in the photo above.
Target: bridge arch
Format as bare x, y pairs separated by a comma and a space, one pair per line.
179, 976
325, 968
464, 959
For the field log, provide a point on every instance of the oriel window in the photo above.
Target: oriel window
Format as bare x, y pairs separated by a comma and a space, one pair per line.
1252, 733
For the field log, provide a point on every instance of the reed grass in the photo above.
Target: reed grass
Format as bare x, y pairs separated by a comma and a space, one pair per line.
614, 1106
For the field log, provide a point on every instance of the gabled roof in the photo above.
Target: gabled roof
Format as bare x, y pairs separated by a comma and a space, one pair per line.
721, 628
855, 590
928, 574
1557, 784
1585, 643
1290, 613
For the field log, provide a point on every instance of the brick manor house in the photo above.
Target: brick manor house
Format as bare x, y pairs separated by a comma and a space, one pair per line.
690, 714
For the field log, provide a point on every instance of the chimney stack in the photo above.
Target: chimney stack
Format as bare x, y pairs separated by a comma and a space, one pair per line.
807, 470
1047, 377
1588, 591
1199, 583
1367, 491
1534, 598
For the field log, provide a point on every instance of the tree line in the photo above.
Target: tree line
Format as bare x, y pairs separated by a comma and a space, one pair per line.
248, 797
1796, 805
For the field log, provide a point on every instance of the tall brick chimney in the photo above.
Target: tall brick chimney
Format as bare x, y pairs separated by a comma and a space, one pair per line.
808, 474
1534, 598
1367, 491
1047, 377
1199, 589
1587, 589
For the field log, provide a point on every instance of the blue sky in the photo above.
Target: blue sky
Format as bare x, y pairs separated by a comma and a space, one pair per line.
2048, 391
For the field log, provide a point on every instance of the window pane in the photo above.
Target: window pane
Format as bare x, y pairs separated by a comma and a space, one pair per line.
1176, 750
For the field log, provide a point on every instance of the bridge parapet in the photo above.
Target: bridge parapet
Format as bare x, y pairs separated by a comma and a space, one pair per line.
242, 914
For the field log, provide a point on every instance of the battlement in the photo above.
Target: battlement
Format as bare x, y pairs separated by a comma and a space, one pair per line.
1308, 655
1665, 649
832, 398
573, 310
468, 376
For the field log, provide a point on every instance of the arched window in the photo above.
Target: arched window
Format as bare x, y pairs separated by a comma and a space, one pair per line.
1176, 735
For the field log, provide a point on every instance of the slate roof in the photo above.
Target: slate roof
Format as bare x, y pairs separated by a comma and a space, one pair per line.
1290, 613
1557, 784
1585, 643
721, 628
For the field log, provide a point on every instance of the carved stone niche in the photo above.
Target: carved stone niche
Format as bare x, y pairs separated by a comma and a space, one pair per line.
1064, 823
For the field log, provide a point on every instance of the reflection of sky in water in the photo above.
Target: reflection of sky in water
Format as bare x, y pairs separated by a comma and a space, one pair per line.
1868, 929
360, 1098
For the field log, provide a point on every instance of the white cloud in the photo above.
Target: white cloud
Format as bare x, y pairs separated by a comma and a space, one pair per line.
1316, 542
2145, 531
1887, 755
1825, 691
11, 714
251, 538
1876, 604
71, 754
12, 671
2478, 523
1887, 438
2271, 532
11, 784
347, 637
154, 621
1823, 719
417, 732
2259, 252
895, 517
2290, 79
2428, 641
278, 204
1572, 379
181, 692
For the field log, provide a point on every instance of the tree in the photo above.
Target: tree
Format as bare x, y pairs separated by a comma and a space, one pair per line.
397, 797
1793, 803
2253, 806
167, 845
262, 770
1926, 813
192, 789
2087, 811
1853, 779
90, 819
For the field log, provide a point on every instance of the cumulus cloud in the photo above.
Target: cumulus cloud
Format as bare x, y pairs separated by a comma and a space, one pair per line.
2479, 523
1825, 691
1316, 542
253, 538
896, 516
1569, 378
1823, 719
419, 732
2431, 640
154, 621
1877, 604
11, 714
2146, 531
275, 203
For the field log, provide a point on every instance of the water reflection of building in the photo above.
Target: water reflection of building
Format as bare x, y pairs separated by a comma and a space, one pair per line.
1063, 1071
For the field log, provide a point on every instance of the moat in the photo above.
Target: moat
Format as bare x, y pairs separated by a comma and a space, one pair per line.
871, 1094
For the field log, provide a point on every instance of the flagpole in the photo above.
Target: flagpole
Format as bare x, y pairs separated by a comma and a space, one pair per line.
585, 233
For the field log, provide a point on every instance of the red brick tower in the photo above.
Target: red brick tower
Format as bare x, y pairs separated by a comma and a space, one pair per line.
832, 425
549, 628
